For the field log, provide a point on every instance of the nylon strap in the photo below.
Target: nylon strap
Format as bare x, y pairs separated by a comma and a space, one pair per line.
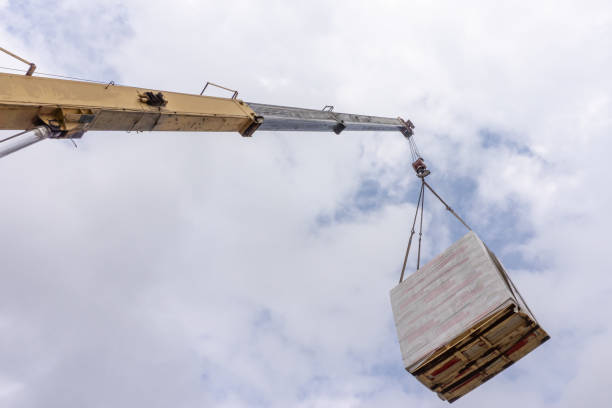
420, 207
421, 193
446, 205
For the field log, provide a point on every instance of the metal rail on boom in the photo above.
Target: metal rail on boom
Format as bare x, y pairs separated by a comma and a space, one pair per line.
59, 108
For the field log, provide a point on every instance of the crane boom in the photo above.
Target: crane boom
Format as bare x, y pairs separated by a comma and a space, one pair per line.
60, 108
287, 118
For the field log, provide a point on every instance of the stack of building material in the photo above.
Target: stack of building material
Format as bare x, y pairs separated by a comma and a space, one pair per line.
460, 320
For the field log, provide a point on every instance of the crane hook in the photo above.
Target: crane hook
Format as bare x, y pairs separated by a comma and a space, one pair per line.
420, 168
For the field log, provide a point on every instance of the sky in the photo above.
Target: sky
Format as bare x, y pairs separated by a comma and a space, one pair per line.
209, 270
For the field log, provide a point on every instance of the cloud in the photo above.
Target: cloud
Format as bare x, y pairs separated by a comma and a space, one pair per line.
208, 269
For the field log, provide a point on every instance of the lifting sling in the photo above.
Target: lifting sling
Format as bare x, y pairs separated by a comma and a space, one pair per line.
421, 170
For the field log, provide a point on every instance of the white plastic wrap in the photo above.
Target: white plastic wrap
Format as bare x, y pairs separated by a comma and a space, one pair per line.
446, 297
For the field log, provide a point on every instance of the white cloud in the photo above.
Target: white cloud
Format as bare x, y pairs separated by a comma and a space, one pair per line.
190, 270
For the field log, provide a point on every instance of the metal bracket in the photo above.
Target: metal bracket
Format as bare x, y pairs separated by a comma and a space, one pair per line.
408, 129
257, 122
68, 123
234, 95
31, 64
339, 127
153, 99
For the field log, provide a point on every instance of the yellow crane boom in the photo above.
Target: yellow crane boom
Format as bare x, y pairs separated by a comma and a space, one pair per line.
75, 106
58, 108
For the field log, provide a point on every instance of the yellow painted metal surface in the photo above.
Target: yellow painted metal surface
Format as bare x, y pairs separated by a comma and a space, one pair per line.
75, 106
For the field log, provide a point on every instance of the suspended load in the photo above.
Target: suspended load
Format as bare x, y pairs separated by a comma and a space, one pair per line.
460, 320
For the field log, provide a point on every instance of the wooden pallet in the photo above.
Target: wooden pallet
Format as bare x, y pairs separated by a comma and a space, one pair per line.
480, 352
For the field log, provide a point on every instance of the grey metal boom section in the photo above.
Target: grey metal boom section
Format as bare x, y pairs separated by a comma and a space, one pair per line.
288, 118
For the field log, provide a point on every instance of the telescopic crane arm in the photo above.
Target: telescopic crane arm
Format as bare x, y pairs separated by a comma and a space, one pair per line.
59, 108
